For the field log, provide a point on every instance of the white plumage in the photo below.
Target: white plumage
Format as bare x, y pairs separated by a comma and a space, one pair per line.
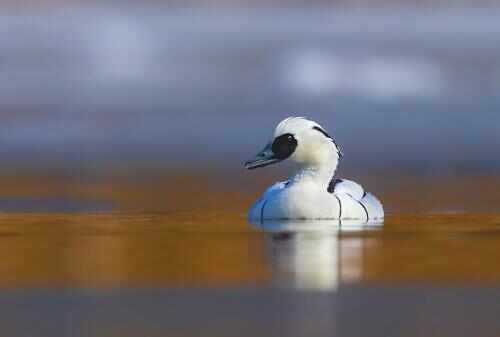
312, 191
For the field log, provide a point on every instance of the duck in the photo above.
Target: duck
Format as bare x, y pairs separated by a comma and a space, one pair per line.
312, 191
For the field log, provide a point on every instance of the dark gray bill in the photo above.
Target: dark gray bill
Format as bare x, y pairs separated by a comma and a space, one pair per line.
263, 158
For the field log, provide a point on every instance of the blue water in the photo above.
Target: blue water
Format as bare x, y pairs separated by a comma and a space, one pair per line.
352, 311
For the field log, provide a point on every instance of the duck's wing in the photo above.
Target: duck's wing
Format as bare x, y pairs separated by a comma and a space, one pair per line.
256, 211
349, 187
355, 202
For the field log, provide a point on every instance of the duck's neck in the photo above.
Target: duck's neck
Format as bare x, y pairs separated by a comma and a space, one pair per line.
319, 174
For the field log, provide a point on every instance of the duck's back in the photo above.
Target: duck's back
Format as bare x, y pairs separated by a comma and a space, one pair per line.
343, 199
355, 203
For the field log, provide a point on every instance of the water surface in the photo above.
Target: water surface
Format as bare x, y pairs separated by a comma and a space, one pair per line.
121, 273
176, 257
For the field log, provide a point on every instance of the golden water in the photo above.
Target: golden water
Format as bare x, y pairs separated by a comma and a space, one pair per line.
176, 257
114, 249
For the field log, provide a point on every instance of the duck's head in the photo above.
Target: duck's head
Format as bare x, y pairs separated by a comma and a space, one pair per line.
301, 141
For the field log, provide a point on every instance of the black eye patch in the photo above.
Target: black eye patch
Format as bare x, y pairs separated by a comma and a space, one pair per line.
284, 145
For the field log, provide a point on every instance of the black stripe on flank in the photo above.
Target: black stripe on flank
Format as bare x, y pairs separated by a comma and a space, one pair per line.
364, 208
282, 236
340, 206
262, 212
332, 184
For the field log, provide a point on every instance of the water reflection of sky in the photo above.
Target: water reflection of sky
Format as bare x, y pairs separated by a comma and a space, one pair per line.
199, 84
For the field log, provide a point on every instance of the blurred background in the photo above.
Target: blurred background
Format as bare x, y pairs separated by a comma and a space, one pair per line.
124, 126
97, 89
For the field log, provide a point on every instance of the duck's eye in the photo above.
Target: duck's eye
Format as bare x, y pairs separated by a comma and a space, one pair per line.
284, 145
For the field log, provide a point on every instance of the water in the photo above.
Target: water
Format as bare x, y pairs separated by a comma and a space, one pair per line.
177, 257
370, 311
106, 274
14, 204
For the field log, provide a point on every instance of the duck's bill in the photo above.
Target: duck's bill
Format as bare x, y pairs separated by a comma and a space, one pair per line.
264, 158
255, 163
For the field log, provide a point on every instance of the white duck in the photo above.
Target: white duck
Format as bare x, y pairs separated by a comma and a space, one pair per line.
312, 191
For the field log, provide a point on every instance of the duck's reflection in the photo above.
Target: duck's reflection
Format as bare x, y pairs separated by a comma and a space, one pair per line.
317, 255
